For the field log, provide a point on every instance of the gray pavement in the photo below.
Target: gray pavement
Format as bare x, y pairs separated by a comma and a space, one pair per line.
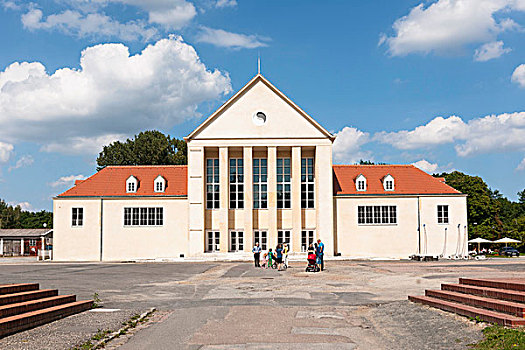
351, 305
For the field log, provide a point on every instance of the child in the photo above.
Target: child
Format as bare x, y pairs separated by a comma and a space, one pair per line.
270, 258
263, 261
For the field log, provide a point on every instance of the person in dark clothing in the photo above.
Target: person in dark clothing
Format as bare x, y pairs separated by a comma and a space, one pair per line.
256, 254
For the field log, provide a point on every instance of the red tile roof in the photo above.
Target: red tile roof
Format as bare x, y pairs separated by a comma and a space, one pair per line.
111, 181
407, 180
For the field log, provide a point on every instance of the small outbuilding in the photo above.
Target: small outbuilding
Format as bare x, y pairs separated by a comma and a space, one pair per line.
26, 242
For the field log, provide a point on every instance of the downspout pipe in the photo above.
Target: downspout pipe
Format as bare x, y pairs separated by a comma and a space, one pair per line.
101, 226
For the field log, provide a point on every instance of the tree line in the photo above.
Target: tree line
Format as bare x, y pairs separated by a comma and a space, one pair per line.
15, 217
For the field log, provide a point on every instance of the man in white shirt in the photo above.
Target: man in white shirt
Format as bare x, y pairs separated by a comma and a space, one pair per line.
256, 254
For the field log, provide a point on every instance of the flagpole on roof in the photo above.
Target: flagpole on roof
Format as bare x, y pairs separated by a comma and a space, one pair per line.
258, 63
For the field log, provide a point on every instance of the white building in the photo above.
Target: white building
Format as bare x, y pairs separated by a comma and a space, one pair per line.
259, 170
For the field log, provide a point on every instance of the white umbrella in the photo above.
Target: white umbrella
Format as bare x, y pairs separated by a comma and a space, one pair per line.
507, 240
479, 240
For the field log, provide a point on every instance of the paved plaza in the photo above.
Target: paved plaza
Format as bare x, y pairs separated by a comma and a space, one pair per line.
232, 305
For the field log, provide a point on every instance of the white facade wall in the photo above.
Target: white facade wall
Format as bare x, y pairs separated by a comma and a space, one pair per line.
119, 242
401, 240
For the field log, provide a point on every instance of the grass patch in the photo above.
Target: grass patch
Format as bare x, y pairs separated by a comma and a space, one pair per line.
501, 338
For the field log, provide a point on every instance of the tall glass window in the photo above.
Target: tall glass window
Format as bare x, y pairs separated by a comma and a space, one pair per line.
236, 183
284, 183
442, 214
307, 183
212, 183
260, 183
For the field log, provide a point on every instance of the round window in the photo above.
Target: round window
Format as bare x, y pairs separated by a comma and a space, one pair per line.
259, 118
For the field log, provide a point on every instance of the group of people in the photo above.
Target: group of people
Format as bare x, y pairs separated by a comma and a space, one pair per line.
280, 256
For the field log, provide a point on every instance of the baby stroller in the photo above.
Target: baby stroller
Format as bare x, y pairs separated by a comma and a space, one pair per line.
312, 263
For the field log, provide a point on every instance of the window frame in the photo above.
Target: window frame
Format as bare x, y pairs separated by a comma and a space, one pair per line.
215, 236
360, 179
132, 184
260, 183
444, 218
281, 236
377, 215
236, 241
284, 183
77, 221
236, 183
159, 181
307, 183
143, 217
213, 184
261, 236
306, 234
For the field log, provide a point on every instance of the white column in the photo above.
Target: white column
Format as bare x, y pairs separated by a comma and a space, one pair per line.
196, 200
22, 246
43, 244
324, 203
224, 198
1, 246
248, 198
272, 196
296, 199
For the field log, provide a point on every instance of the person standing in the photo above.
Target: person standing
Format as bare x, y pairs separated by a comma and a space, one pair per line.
279, 256
256, 254
320, 247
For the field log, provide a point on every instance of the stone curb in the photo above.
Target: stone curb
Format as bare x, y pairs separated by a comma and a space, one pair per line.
101, 343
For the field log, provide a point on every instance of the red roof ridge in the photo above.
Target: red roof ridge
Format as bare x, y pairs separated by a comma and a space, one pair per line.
377, 165
145, 166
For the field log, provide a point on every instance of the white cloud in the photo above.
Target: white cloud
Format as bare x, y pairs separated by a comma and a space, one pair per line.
222, 38
10, 5
24, 206
426, 166
24, 161
449, 26
88, 25
521, 166
492, 133
67, 181
436, 132
172, 14
490, 51
226, 3
347, 145
518, 76
6, 149
110, 96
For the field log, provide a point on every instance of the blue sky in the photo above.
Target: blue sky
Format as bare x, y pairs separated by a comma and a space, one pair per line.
438, 83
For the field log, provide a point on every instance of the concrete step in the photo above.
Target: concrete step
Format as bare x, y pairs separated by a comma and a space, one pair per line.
17, 288
517, 284
502, 294
470, 311
25, 296
32, 305
17, 323
504, 306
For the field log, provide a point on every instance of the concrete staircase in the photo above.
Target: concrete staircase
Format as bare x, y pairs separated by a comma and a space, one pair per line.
500, 301
24, 306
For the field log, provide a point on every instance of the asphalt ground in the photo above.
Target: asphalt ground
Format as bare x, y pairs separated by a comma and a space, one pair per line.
232, 305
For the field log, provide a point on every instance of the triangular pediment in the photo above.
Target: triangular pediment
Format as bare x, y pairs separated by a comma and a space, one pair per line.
240, 116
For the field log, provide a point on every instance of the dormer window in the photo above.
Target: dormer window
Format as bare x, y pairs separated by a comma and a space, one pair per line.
360, 183
388, 183
131, 184
160, 184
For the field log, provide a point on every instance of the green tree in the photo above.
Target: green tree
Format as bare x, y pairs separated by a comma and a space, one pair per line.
15, 217
146, 148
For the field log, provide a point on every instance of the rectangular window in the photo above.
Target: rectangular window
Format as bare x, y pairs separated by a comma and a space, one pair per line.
283, 236
236, 183
213, 241
32, 242
262, 238
260, 183
236, 241
77, 216
284, 184
442, 214
143, 216
307, 238
376, 215
307, 183
212, 183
